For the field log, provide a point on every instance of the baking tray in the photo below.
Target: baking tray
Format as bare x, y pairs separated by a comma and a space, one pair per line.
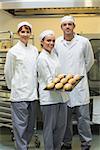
73, 86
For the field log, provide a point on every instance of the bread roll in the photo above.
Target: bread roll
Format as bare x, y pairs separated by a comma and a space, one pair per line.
63, 80
67, 86
71, 81
50, 85
58, 86
56, 80
69, 76
60, 76
77, 77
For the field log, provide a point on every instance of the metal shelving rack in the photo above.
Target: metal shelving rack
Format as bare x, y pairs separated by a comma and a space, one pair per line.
6, 41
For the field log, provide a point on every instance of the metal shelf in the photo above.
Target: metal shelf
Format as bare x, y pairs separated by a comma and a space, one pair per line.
5, 110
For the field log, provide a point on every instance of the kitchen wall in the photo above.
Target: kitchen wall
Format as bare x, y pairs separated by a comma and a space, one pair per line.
84, 24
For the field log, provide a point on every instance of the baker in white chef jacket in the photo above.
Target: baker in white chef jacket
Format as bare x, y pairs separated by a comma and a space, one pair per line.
76, 57
21, 78
53, 103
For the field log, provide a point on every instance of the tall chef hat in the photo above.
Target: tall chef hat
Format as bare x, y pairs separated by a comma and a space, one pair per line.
24, 23
68, 19
45, 33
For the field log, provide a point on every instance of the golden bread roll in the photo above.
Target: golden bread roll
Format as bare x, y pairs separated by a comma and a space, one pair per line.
71, 81
56, 80
69, 76
63, 80
67, 86
77, 77
60, 76
58, 86
50, 85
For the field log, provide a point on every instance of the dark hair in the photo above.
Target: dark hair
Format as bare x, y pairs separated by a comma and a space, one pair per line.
26, 27
42, 40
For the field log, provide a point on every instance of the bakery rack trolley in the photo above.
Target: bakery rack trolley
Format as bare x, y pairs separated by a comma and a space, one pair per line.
6, 41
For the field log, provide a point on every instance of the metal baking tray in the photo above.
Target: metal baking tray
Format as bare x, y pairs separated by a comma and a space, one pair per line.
73, 86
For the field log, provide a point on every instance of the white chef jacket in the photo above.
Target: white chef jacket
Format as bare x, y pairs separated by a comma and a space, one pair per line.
48, 67
20, 72
76, 57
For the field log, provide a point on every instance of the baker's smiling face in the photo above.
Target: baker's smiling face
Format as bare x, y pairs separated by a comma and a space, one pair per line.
67, 27
48, 42
24, 34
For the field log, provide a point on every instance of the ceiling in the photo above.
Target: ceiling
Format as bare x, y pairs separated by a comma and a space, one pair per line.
35, 8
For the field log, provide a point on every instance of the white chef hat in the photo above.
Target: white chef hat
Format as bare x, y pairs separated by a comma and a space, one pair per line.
24, 23
45, 33
68, 19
